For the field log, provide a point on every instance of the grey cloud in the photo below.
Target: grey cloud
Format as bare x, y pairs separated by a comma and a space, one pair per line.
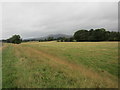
40, 19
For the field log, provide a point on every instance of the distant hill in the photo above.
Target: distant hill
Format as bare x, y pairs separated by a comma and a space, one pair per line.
55, 36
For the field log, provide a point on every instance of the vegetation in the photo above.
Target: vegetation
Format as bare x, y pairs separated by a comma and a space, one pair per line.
96, 35
15, 39
91, 35
60, 65
79, 36
68, 64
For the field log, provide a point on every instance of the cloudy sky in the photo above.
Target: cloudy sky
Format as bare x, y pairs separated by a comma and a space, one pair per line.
37, 19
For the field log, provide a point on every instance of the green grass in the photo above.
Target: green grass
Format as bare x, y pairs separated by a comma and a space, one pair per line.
60, 65
0, 65
100, 55
9, 70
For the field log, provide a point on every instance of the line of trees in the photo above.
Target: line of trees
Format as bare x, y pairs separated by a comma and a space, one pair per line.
92, 35
60, 39
79, 36
96, 35
48, 39
64, 39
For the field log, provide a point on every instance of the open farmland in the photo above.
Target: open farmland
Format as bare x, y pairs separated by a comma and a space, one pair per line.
60, 65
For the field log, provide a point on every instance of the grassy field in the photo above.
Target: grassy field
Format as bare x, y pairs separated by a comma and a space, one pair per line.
60, 65
0, 65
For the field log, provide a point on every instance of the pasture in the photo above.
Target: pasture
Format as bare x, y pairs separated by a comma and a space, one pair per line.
60, 65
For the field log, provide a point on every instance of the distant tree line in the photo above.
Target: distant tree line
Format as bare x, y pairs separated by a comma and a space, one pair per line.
47, 39
89, 35
64, 39
60, 39
79, 36
96, 35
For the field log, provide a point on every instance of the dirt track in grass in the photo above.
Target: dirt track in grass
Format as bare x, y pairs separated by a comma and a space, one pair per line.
87, 72
44, 65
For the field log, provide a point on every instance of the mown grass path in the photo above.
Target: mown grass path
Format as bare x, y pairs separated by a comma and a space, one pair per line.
34, 65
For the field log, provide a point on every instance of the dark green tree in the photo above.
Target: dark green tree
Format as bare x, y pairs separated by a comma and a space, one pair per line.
96, 35
81, 35
114, 36
16, 39
99, 34
91, 36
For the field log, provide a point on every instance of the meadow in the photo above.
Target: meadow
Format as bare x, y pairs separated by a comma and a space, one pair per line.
60, 65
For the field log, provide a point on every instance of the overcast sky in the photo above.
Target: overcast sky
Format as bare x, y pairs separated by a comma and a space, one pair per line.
43, 18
